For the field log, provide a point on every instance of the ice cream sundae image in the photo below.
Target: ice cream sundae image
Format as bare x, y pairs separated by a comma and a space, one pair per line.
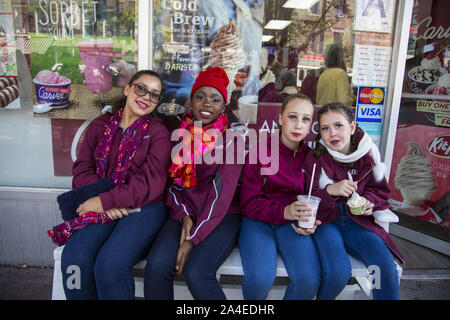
442, 87
356, 204
428, 73
415, 177
52, 88
227, 52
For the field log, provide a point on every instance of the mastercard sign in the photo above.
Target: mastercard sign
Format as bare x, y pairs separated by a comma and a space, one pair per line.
369, 95
370, 105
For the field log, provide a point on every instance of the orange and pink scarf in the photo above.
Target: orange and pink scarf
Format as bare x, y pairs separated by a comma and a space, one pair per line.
183, 169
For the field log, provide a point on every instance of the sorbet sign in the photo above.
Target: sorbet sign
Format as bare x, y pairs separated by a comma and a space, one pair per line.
66, 16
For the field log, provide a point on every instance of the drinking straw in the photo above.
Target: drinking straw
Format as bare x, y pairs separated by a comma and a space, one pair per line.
350, 176
312, 179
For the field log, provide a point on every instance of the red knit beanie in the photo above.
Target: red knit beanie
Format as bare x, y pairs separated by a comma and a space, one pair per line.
214, 77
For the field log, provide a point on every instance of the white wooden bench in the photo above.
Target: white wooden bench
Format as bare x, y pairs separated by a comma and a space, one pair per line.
232, 267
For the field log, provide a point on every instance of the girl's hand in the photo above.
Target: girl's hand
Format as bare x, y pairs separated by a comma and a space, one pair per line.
92, 204
186, 229
183, 254
116, 213
343, 188
297, 211
306, 232
369, 208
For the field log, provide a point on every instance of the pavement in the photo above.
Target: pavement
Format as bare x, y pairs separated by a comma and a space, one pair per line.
35, 283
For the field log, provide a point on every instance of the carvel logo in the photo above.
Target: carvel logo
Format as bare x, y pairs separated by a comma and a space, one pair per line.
371, 95
439, 146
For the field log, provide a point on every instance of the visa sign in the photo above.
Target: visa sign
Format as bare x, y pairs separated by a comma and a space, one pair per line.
369, 113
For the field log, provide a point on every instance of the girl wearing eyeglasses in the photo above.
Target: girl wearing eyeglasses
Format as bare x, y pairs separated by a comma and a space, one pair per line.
132, 149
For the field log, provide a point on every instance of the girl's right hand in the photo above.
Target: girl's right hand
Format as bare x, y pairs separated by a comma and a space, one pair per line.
186, 229
116, 213
343, 188
297, 211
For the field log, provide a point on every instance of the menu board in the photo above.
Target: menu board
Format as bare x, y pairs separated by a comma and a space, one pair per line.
372, 59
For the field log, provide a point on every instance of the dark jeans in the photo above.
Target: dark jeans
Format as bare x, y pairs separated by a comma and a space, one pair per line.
201, 266
97, 260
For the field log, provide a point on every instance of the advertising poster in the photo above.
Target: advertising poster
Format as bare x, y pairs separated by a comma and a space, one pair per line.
9, 92
421, 161
193, 35
374, 15
82, 55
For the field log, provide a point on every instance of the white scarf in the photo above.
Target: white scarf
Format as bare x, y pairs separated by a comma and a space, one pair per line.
365, 146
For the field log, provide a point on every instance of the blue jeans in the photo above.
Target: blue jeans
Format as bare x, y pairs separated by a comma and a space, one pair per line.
259, 243
201, 267
97, 260
342, 236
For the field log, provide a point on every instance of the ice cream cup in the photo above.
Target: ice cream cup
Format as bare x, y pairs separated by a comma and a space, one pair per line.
248, 109
313, 203
55, 94
96, 56
357, 210
420, 87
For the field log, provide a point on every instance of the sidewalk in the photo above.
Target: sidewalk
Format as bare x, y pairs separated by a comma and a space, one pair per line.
17, 283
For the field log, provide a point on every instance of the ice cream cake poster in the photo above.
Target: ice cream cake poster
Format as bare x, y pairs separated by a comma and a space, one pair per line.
420, 172
194, 35
81, 58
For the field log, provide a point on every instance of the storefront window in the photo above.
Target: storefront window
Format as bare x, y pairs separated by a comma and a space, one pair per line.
420, 166
71, 59
298, 35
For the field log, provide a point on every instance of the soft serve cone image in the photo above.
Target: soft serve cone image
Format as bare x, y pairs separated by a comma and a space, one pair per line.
415, 177
227, 52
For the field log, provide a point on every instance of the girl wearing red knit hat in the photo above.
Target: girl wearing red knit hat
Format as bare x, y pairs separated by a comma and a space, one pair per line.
204, 220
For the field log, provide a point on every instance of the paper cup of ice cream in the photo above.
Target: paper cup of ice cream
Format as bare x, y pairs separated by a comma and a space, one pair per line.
357, 205
420, 79
52, 88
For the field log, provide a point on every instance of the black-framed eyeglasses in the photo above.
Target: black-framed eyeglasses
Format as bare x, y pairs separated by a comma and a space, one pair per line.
142, 91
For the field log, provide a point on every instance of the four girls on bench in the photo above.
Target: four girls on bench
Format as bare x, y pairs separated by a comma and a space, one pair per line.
343, 149
132, 148
204, 224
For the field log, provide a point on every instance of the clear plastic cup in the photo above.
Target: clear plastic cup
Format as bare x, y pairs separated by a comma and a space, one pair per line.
313, 203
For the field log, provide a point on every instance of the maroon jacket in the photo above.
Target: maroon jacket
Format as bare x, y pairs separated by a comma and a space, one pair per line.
368, 187
264, 197
147, 175
211, 199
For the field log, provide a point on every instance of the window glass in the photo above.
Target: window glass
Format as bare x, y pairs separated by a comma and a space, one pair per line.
420, 166
73, 58
298, 35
